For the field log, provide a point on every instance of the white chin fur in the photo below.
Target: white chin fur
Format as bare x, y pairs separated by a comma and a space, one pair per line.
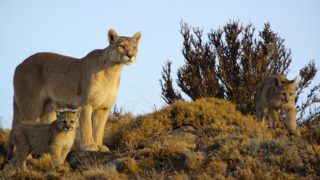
127, 60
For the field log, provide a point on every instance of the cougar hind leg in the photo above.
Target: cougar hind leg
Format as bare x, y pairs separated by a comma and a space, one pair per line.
27, 109
48, 113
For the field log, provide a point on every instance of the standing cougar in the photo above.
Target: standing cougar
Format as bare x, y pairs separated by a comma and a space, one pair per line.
91, 83
274, 93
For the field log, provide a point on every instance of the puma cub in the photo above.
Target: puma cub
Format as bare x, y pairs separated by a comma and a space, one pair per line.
275, 93
56, 138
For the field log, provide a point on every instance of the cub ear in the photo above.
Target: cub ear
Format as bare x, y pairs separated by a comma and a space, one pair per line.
137, 36
78, 115
76, 112
292, 81
277, 81
58, 112
112, 36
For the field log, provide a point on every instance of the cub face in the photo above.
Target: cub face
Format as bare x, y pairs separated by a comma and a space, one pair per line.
123, 49
67, 120
286, 90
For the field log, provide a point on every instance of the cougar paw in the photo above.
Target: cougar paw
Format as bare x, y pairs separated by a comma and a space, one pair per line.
295, 132
103, 148
91, 147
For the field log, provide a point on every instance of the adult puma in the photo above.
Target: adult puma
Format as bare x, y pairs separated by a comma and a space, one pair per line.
46, 79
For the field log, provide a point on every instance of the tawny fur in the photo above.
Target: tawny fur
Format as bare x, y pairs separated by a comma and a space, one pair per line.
56, 138
275, 93
46, 79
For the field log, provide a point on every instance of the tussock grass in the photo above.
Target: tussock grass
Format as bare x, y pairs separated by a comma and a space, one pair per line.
205, 139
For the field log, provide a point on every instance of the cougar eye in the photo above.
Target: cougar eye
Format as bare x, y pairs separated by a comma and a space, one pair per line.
291, 93
121, 46
72, 121
64, 121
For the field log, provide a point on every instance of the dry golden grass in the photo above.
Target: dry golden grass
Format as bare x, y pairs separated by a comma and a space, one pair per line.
108, 173
206, 139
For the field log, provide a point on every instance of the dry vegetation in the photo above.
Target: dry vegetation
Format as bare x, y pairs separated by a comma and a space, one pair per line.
205, 139
228, 63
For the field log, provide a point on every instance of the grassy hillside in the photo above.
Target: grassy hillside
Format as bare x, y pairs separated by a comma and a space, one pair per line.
203, 139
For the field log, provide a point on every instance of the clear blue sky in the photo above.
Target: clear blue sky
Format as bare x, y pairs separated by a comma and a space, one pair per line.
75, 27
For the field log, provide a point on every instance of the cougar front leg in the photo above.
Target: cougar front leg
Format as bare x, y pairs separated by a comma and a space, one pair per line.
291, 122
99, 122
86, 143
55, 153
64, 153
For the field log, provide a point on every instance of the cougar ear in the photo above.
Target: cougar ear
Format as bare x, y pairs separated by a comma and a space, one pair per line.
137, 36
112, 36
277, 81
